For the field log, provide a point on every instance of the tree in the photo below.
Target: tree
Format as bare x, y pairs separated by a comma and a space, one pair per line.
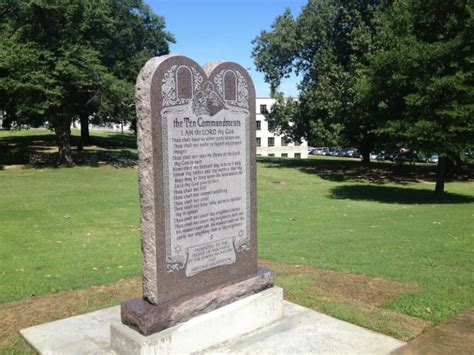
421, 78
74, 58
286, 112
328, 45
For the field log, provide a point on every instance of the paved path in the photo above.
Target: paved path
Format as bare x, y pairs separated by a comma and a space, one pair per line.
454, 336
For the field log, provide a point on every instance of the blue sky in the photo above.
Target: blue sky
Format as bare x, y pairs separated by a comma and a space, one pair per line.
209, 30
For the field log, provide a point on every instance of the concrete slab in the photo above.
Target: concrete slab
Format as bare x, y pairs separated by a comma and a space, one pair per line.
301, 330
304, 331
85, 334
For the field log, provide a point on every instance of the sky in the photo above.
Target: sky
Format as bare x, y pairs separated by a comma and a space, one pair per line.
210, 30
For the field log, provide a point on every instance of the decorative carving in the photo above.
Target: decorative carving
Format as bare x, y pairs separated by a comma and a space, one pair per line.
198, 79
169, 86
242, 99
207, 101
242, 91
176, 263
242, 242
219, 81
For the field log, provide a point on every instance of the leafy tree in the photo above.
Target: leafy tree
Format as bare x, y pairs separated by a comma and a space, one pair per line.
327, 44
421, 78
61, 60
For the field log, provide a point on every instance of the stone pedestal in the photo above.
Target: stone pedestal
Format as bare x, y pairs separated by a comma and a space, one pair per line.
148, 318
199, 333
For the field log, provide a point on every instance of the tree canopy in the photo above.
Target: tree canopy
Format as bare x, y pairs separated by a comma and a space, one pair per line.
327, 44
70, 59
395, 73
421, 79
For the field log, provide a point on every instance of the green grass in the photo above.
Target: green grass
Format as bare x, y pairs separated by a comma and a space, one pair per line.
64, 229
392, 231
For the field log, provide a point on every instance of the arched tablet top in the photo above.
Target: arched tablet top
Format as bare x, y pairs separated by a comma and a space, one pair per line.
218, 71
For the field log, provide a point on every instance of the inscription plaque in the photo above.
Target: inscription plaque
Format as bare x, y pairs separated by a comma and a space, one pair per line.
206, 150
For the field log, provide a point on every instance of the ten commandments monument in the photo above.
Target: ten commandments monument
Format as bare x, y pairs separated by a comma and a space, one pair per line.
196, 141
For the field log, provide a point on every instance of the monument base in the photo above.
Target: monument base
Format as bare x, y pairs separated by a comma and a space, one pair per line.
148, 318
202, 332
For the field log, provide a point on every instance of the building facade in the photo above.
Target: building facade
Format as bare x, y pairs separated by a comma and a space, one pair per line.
271, 145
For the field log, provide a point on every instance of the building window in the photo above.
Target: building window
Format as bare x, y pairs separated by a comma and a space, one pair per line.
284, 155
259, 125
263, 109
271, 141
297, 155
259, 142
271, 155
297, 143
284, 141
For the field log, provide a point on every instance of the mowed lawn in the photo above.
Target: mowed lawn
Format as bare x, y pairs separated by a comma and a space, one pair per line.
70, 228
63, 229
397, 232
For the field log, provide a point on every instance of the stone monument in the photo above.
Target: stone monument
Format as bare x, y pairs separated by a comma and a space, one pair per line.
196, 143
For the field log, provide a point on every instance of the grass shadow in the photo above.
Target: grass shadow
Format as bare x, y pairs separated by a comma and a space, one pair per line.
39, 150
116, 158
112, 141
339, 170
393, 194
26, 149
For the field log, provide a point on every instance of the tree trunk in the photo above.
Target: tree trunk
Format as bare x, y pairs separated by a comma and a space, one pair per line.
84, 130
365, 156
441, 175
63, 137
133, 126
366, 147
457, 165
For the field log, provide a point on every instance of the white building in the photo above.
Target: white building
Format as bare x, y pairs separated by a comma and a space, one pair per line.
271, 145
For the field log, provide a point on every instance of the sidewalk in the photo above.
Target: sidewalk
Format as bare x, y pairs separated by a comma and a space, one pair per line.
454, 336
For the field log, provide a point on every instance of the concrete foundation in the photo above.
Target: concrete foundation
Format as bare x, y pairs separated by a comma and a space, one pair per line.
300, 331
